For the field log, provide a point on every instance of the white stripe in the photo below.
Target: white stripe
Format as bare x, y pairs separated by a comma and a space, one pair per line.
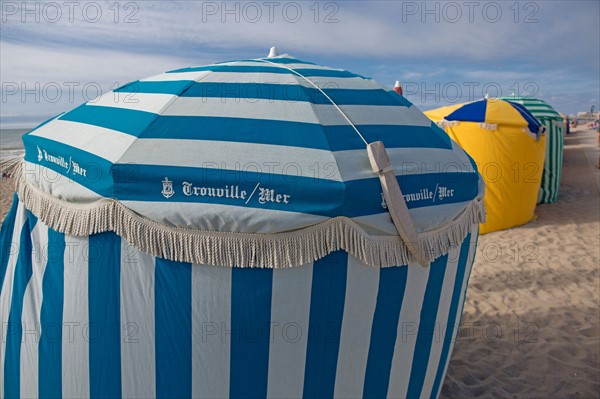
290, 313
408, 327
354, 164
441, 322
7, 287
298, 111
374, 115
469, 266
428, 218
32, 306
106, 143
169, 77
378, 224
57, 185
235, 156
211, 326
75, 349
293, 161
424, 218
268, 109
268, 77
138, 370
323, 82
362, 286
231, 218
258, 63
237, 218
470, 261
149, 102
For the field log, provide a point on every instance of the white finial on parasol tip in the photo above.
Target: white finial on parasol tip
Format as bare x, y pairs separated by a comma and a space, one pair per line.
273, 52
398, 87
487, 96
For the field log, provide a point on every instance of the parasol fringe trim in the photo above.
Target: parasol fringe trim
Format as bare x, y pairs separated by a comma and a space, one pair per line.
278, 250
10, 166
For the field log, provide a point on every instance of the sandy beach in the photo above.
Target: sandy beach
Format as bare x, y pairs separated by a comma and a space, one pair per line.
7, 188
531, 323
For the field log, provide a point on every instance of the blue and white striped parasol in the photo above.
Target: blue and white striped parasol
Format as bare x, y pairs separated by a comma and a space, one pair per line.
266, 146
146, 253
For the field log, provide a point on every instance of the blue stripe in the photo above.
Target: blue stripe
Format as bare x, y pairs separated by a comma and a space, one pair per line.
260, 131
392, 284
6, 237
98, 170
472, 112
326, 313
293, 134
51, 319
427, 326
360, 201
104, 315
250, 325
124, 120
174, 87
474, 250
142, 182
266, 91
464, 295
308, 72
532, 123
14, 328
173, 329
136, 182
451, 324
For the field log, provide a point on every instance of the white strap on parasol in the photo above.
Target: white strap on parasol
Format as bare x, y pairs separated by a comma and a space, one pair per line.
380, 162
381, 165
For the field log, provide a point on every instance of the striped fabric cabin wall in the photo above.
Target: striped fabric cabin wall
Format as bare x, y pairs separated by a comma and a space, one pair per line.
95, 317
550, 185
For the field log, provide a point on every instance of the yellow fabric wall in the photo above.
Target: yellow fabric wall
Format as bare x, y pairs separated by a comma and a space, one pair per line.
511, 163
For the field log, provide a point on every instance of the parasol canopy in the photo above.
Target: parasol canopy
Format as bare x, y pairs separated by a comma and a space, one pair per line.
491, 111
264, 146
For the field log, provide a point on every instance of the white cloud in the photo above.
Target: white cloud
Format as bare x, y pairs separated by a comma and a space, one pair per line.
34, 63
364, 29
560, 51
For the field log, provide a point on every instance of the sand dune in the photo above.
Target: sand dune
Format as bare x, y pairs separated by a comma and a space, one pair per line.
531, 325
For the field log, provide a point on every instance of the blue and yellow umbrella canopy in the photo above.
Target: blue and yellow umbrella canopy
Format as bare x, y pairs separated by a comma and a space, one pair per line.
489, 111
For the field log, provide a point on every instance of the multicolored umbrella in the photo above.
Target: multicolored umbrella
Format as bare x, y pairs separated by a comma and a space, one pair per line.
554, 124
251, 228
491, 112
508, 146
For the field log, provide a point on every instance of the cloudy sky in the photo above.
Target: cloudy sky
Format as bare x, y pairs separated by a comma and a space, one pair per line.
55, 55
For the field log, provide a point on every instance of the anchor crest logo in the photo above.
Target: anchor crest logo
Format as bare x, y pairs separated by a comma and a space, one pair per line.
167, 190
